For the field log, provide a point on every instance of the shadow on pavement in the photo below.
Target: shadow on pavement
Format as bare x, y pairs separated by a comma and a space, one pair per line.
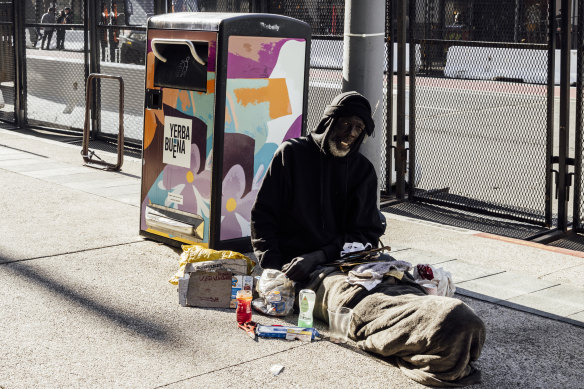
136, 324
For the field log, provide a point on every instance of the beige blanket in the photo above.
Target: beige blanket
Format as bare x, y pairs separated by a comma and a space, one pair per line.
432, 339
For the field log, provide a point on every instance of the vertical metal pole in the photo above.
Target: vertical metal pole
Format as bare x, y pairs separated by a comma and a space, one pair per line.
363, 64
549, 189
564, 115
85, 7
92, 20
389, 94
400, 153
160, 7
578, 151
19, 63
258, 6
411, 153
516, 22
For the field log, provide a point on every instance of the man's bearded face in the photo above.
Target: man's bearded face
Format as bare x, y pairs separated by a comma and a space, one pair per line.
344, 133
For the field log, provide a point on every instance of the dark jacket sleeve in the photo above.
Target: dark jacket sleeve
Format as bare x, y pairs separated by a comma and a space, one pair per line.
363, 222
266, 213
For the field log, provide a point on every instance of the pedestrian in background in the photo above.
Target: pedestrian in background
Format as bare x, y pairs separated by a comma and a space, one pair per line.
48, 18
61, 31
68, 20
35, 35
104, 22
114, 33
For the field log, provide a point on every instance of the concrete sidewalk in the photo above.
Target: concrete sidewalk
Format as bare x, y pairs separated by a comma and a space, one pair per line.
85, 301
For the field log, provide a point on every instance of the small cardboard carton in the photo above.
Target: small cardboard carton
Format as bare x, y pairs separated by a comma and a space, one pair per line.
212, 289
239, 282
209, 289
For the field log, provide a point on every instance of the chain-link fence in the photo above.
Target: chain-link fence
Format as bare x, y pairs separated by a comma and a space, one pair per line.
326, 19
7, 74
482, 102
55, 64
481, 80
56, 72
121, 34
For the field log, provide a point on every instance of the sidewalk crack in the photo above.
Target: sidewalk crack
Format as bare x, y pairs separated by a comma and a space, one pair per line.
72, 252
230, 366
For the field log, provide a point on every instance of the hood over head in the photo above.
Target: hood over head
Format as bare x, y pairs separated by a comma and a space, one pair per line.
345, 104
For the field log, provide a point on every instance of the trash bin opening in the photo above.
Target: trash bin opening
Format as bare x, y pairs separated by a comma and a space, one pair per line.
181, 70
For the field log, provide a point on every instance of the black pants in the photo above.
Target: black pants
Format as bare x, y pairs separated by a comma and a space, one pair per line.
60, 39
49, 35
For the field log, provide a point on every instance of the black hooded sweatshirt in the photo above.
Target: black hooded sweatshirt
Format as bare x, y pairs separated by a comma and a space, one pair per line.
311, 200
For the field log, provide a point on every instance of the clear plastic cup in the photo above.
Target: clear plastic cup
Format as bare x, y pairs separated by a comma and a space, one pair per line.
430, 288
339, 321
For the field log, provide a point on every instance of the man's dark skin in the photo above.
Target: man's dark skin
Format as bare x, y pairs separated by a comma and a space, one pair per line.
346, 130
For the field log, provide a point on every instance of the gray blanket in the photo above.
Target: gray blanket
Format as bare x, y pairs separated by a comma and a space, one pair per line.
432, 339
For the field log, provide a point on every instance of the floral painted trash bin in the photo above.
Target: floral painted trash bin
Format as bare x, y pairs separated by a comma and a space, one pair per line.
223, 91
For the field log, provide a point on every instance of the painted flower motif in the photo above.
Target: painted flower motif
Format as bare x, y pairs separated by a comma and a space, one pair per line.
235, 207
188, 190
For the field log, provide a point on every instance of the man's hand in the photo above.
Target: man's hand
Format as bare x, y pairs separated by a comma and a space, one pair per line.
300, 267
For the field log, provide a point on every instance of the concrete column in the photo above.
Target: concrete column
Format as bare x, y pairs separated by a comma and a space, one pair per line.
363, 65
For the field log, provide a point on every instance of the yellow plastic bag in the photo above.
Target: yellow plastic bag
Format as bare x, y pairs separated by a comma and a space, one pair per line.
196, 253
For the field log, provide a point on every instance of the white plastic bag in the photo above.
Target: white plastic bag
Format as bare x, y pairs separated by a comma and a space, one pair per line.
276, 293
440, 278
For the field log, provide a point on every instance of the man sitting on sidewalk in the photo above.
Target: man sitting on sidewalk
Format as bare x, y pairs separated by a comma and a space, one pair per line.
320, 193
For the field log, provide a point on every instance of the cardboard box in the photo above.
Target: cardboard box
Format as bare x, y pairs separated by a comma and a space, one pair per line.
212, 289
209, 289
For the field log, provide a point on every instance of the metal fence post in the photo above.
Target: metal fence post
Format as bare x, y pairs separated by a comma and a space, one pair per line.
19, 64
400, 153
549, 189
161, 6
363, 64
389, 39
411, 153
94, 67
577, 225
564, 116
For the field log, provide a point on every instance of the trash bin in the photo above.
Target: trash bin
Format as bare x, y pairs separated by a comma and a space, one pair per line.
223, 90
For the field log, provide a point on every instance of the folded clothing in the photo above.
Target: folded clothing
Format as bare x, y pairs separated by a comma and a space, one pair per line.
369, 275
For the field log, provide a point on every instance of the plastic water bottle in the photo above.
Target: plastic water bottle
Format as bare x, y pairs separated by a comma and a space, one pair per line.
306, 301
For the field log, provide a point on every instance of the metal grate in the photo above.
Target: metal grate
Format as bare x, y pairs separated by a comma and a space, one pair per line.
466, 220
481, 110
572, 242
